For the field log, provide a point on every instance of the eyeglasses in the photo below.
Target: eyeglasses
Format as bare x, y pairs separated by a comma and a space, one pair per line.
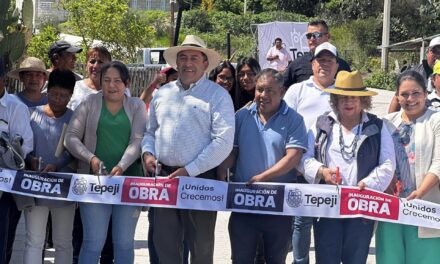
435, 51
405, 133
315, 35
225, 78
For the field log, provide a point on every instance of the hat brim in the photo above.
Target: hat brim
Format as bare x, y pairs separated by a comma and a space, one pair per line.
15, 74
170, 56
73, 50
350, 93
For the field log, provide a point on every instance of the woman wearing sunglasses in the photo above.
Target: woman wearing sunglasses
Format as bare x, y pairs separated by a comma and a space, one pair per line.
416, 134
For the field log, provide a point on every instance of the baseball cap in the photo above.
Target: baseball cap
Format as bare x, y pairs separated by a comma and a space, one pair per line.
62, 45
434, 42
326, 46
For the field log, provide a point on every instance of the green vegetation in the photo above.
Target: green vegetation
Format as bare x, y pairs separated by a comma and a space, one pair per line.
355, 25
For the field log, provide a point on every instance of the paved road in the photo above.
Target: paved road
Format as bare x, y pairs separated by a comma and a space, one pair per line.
222, 247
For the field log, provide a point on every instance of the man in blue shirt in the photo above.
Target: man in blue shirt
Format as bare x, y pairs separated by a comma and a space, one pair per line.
270, 139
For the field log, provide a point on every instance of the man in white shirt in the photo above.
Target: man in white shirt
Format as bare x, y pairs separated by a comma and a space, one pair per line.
310, 101
278, 56
190, 131
14, 119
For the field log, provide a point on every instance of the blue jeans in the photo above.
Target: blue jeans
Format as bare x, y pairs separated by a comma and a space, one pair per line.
95, 218
247, 230
302, 228
342, 240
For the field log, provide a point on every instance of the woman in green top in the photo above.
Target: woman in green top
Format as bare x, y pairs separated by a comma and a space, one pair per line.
108, 127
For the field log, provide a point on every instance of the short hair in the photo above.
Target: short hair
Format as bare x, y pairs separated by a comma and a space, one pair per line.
120, 67
278, 38
410, 75
101, 50
269, 72
321, 23
366, 102
61, 78
251, 62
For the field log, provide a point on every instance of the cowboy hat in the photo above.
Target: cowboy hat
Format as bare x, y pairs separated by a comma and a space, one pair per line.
350, 84
192, 42
30, 64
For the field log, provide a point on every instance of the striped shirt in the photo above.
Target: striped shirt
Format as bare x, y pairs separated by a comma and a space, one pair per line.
191, 128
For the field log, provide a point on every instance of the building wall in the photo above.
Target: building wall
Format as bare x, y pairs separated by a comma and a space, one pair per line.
163, 5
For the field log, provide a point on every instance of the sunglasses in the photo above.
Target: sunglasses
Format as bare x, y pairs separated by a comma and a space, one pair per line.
315, 35
405, 133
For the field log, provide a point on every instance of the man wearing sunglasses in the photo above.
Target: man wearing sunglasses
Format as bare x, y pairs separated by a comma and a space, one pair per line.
301, 68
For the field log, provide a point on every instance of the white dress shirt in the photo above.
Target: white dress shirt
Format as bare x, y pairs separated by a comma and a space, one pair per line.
308, 100
281, 63
15, 119
378, 179
193, 128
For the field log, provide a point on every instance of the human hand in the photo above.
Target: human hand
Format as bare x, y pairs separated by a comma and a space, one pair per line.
116, 171
414, 195
150, 162
179, 172
256, 178
94, 165
329, 176
361, 185
49, 168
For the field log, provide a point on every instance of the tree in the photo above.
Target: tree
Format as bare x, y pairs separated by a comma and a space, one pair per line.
110, 21
39, 44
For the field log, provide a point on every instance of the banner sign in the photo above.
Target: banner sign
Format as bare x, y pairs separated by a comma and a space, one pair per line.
292, 34
315, 200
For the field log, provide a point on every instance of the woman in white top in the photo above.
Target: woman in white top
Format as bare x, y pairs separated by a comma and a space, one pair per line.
95, 58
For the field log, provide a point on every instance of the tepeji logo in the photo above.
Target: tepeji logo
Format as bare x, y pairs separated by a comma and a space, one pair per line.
294, 198
47, 184
369, 203
80, 186
263, 197
149, 191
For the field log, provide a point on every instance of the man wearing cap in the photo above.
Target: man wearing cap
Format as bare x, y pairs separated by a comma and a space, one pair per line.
63, 56
310, 100
301, 68
14, 119
425, 69
32, 73
278, 56
190, 131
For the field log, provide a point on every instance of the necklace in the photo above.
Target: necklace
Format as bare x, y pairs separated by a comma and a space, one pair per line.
348, 151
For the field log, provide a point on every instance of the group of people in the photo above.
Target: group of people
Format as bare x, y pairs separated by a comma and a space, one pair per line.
307, 123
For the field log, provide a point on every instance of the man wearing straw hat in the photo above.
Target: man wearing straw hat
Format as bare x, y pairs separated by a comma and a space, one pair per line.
190, 131
32, 73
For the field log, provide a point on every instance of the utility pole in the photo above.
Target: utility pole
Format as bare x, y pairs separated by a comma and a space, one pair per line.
172, 6
244, 8
385, 34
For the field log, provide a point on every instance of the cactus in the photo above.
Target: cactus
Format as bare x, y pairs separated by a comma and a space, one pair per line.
16, 31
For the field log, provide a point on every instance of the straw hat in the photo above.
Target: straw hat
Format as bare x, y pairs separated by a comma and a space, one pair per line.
29, 64
350, 84
192, 42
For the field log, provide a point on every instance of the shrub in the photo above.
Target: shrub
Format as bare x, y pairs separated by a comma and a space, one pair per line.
381, 80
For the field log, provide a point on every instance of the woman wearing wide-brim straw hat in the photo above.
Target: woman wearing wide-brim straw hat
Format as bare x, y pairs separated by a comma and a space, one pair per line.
351, 147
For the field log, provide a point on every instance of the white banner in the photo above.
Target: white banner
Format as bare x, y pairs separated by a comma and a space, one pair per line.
314, 200
292, 34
